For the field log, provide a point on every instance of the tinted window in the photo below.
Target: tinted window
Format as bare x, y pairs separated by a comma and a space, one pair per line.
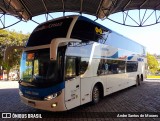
70, 67
39, 71
132, 66
111, 67
75, 66
103, 67
83, 65
89, 31
122, 42
79, 49
44, 33
83, 30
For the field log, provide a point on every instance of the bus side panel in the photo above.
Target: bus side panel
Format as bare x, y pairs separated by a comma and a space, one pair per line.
116, 82
132, 78
86, 90
107, 88
87, 85
72, 93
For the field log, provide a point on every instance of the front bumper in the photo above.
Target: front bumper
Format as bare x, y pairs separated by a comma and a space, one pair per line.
56, 104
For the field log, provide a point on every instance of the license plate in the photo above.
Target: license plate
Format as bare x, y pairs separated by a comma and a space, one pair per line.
31, 103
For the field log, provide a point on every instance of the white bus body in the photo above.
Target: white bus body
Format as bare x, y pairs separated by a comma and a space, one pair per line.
67, 71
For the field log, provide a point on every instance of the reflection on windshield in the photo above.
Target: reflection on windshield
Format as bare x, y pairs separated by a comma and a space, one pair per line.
37, 69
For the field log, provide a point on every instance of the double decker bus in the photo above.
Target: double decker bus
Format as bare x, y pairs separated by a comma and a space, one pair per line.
73, 60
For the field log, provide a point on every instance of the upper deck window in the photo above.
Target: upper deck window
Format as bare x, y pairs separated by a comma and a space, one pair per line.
44, 33
86, 30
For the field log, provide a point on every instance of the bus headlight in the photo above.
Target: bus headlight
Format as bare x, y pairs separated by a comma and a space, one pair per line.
50, 97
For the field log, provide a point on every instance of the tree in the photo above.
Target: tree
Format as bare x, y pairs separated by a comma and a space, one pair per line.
152, 63
8, 39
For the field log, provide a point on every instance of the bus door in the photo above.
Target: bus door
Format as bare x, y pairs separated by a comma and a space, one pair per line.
72, 83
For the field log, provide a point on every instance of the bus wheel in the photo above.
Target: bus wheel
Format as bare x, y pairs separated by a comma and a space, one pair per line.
142, 77
95, 95
138, 81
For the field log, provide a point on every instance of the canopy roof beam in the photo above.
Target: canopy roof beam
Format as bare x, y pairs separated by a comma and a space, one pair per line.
103, 9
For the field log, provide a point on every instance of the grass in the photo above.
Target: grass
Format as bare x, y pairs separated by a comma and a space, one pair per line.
153, 77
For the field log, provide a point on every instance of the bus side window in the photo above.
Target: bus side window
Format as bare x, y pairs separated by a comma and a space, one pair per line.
103, 67
132, 66
83, 65
121, 67
111, 67
70, 69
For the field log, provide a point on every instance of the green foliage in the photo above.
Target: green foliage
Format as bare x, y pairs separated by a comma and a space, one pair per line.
152, 63
8, 39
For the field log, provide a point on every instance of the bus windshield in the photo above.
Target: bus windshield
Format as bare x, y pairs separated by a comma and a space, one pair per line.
37, 70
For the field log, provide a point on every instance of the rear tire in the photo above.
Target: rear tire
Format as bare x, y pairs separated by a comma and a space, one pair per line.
138, 81
95, 94
142, 78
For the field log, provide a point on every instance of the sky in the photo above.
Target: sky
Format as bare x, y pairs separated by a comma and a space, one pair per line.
147, 36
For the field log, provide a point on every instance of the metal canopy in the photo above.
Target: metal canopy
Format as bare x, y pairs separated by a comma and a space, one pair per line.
26, 9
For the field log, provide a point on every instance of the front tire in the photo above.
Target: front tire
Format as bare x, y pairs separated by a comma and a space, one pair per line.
95, 94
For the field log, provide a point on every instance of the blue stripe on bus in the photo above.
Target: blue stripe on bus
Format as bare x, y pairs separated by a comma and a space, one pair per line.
41, 92
130, 57
115, 55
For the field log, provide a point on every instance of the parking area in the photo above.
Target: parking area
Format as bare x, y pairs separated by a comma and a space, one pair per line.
143, 99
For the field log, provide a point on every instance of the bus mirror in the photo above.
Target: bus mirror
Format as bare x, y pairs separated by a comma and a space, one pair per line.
55, 43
